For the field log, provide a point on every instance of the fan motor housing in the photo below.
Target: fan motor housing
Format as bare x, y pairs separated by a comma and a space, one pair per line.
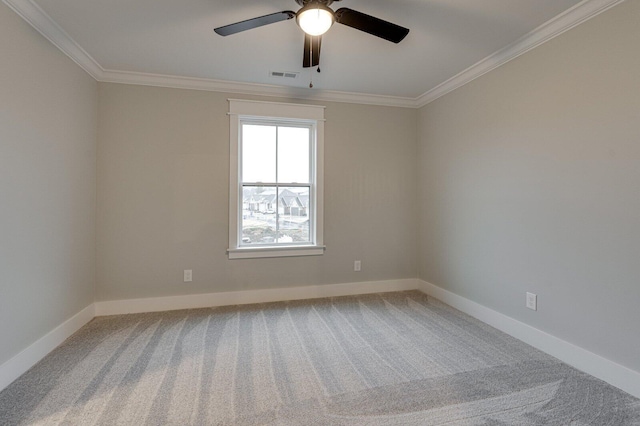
322, 2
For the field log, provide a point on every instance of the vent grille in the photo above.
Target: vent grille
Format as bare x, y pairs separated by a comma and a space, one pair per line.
284, 74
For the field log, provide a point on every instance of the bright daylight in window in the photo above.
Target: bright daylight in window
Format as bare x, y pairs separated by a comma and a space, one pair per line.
276, 184
276, 178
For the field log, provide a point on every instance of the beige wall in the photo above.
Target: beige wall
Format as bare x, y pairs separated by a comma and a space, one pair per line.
530, 181
48, 108
163, 183
524, 180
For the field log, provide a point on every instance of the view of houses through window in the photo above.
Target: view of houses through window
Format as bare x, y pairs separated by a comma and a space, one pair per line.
276, 184
275, 215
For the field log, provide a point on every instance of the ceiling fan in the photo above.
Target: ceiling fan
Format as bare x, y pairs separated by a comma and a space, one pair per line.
315, 18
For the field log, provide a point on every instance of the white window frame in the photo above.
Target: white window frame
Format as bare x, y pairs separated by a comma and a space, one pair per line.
281, 113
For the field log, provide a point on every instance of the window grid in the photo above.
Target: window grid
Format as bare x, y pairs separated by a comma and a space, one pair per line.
277, 184
260, 112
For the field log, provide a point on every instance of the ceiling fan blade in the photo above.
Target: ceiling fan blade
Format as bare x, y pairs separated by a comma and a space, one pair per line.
311, 56
372, 25
254, 23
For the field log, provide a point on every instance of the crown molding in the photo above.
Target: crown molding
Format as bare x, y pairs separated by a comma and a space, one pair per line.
160, 80
563, 22
42, 22
45, 25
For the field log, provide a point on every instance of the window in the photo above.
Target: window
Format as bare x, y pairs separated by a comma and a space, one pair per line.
275, 202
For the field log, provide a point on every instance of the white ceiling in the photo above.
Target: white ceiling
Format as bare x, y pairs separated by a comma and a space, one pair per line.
176, 38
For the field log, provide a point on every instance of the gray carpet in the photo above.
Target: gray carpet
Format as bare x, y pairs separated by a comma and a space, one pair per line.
384, 359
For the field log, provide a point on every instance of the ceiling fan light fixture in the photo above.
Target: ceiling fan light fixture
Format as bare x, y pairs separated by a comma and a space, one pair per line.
315, 19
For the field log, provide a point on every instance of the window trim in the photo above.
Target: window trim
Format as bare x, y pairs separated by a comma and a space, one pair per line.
260, 110
299, 123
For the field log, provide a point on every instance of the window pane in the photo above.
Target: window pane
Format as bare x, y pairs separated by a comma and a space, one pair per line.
293, 215
258, 215
258, 153
293, 155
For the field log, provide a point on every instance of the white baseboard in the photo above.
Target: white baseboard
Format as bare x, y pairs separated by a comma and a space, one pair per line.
19, 364
615, 374
155, 304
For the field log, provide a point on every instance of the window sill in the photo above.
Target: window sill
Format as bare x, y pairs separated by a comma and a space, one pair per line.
285, 251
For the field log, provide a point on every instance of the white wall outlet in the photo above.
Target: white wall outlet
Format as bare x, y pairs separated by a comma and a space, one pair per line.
188, 275
532, 301
357, 266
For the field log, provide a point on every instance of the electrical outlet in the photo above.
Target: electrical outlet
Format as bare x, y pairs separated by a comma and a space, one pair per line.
532, 301
188, 275
357, 266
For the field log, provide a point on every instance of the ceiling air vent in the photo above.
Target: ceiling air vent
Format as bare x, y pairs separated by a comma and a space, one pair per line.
284, 74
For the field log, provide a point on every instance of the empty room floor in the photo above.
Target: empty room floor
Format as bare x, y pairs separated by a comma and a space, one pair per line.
397, 358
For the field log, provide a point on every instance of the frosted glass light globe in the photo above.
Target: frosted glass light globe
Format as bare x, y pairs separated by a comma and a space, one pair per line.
315, 19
